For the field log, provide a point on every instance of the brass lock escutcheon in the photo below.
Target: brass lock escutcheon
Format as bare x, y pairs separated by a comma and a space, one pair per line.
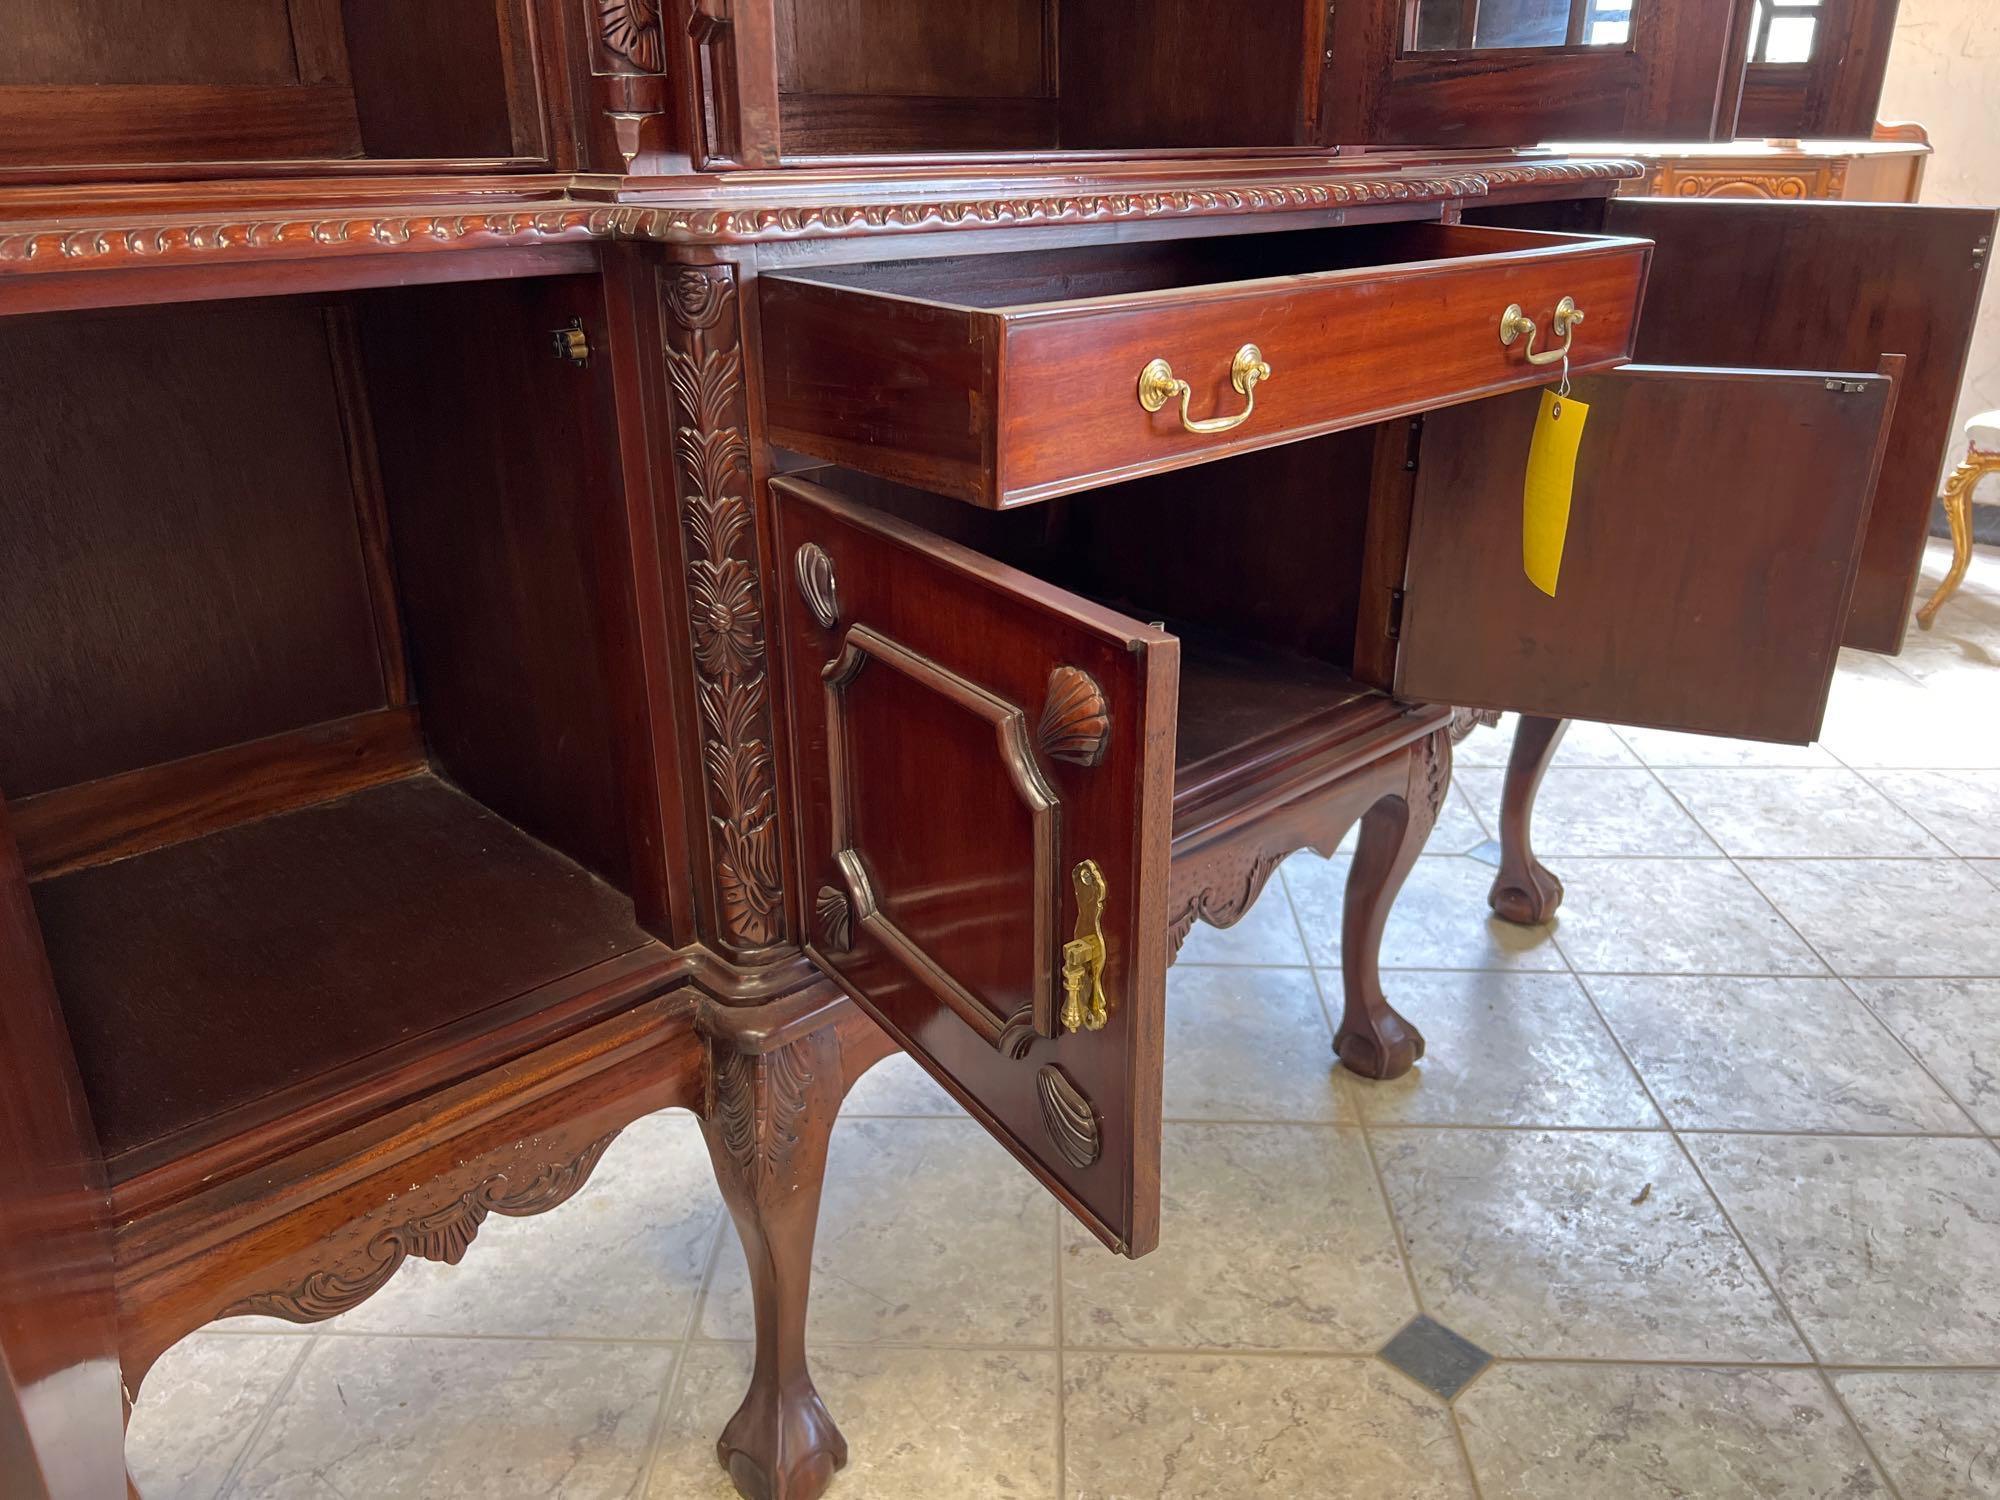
1085, 1005
1514, 323
1158, 385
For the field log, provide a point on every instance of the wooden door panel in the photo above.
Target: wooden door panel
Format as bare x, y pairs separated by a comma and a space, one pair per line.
61, 1419
967, 738
1830, 286
1663, 83
1713, 534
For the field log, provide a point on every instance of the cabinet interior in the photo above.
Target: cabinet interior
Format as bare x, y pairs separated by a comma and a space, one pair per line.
127, 81
309, 717
1268, 616
909, 77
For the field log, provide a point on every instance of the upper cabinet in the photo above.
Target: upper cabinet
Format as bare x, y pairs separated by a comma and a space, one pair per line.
790, 81
1811, 67
159, 87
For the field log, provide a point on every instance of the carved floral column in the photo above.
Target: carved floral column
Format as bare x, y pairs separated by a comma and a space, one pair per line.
628, 77
726, 626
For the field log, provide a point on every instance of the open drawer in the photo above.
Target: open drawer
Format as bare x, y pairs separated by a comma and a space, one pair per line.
1005, 379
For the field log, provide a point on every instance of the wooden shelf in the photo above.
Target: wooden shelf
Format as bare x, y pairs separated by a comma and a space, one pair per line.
1259, 726
214, 984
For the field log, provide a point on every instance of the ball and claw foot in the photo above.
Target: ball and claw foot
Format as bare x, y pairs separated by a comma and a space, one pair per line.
1388, 1049
1526, 899
790, 1453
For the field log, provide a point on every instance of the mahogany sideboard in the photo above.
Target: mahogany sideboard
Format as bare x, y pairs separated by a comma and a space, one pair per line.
564, 558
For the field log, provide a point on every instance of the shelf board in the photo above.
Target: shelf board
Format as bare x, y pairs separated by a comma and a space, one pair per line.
214, 983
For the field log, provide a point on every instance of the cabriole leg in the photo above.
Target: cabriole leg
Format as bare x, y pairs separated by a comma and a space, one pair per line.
1373, 1039
777, 1074
1524, 891
1958, 512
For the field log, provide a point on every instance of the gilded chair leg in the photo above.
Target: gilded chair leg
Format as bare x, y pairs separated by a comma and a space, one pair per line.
1374, 1040
1958, 512
1524, 891
776, 1076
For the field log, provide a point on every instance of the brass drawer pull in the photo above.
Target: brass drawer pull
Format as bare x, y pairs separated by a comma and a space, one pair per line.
1514, 323
1158, 386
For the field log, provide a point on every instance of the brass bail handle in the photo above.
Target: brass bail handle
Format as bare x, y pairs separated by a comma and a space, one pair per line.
1158, 385
1514, 323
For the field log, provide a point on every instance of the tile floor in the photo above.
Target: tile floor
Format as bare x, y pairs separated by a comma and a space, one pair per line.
1697, 1195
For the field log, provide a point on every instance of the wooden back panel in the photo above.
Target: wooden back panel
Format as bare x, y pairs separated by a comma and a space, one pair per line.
182, 565
1830, 286
507, 514
1712, 541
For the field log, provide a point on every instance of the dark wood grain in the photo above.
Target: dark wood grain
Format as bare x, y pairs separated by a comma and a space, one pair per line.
61, 1413
1007, 402
1187, 73
1830, 286
249, 960
509, 539
97, 821
168, 588
1713, 538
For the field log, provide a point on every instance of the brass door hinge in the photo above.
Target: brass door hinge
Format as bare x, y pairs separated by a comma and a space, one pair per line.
1085, 1005
1396, 598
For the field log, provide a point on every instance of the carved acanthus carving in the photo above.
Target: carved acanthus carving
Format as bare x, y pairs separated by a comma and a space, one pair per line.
725, 602
1076, 721
1068, 1117
755, 1103
443, 1234
1430, 773
1227, 895
630, 30
1465, 720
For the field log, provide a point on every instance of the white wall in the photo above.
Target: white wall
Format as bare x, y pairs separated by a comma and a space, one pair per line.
1944, 73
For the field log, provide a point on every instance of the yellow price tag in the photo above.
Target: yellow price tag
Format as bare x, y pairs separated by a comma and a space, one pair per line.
1545, 493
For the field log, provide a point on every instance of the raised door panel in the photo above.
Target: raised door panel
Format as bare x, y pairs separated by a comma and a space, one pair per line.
1713, 531
1830, 286
981, 761
1516, 72
61, 1418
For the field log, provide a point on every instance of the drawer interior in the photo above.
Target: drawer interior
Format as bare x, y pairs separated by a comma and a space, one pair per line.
308, 706
1031, 279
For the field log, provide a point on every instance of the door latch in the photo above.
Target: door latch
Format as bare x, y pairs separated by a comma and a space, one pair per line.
1085, 1006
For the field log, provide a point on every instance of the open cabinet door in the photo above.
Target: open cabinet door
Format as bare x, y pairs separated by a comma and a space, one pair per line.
61, 1414
1830, 286
985, 779
1713, 531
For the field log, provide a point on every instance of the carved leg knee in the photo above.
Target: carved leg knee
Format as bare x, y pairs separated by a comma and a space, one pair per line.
1374, 1040
775, 1086
1524, 891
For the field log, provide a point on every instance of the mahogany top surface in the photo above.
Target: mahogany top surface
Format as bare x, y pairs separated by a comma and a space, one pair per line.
203, 976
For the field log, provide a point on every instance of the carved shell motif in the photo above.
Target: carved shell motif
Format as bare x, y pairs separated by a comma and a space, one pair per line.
631, 29
815, 574
1076, 721
1071, 1122
836, 926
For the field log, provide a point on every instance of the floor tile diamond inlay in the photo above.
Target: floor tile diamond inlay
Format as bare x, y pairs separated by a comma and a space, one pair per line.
1435, 1357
